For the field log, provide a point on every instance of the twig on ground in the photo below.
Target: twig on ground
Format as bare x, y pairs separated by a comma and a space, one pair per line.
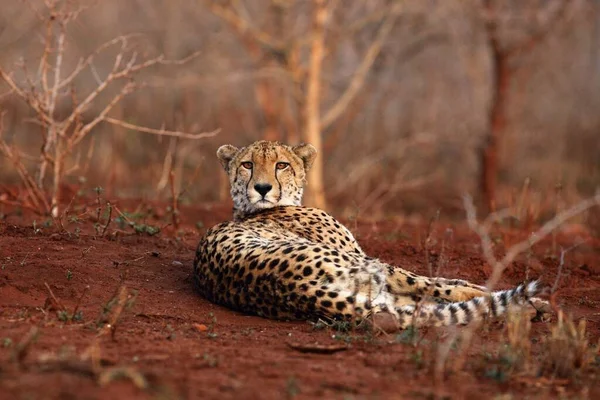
114, 309
113, 373
59, 219
57, 302
167, 164
130, 222
85, 290
317, 348
174, 201
22, 348
429, 240
108, 219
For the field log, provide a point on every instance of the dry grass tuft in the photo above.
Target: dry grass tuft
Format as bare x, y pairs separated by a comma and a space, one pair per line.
518, 342
567, 349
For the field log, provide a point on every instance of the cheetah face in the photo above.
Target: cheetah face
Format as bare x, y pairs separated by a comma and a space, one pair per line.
266, 174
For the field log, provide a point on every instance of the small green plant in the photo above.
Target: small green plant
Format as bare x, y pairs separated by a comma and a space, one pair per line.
410, 335
36, 230
22, 263
210, 360
69, 275
292, 388
418, 359
211, 326
137, 222
106, 216
496, 373
172, 335
320, 325
247, 332
147, 229
341, 326
133, 294
7, 342
65, 316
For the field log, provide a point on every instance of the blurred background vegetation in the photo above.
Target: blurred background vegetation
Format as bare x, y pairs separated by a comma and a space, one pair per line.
452, 80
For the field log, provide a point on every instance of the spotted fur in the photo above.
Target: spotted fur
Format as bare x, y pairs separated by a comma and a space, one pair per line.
278, 259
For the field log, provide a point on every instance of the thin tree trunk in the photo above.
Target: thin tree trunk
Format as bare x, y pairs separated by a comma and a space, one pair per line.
267, 99
489, 155
502, 78
312, 128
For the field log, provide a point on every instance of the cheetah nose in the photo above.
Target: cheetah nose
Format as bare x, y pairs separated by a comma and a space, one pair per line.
263, 188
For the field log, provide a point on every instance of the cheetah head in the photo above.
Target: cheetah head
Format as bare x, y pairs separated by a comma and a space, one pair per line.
266, 174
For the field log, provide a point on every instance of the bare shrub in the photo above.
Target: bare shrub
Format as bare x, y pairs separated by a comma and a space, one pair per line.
517, 328
52, 85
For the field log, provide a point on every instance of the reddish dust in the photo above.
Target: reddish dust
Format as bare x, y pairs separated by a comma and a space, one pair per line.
56, 288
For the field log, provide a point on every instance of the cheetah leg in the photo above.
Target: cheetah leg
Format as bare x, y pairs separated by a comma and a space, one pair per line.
356, 293
401, 301
405, 283
460, 282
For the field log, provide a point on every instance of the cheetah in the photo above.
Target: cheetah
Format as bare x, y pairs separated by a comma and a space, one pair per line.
278, 259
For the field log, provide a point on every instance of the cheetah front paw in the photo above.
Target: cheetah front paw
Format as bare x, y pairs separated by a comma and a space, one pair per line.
543, 309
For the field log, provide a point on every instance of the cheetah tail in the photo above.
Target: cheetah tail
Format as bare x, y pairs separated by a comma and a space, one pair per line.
461, 313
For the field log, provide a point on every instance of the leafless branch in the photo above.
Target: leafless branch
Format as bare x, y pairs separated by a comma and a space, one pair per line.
360, 169
242, 26
162, 132
499, 265
362, 71
563, 253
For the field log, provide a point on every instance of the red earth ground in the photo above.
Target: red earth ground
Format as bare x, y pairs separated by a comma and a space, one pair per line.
170, 343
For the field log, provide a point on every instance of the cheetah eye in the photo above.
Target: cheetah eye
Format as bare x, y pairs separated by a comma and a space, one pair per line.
247, 165
282, 165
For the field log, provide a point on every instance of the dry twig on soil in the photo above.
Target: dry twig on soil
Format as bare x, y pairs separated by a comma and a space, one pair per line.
22, 348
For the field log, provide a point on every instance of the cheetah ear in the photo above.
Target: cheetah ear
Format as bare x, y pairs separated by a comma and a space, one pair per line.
225, 154
307, 154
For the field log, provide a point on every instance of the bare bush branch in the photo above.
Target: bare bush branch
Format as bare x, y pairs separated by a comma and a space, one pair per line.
563, 253
242, 26
162, 132
483, 231
358, 80
43, 94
